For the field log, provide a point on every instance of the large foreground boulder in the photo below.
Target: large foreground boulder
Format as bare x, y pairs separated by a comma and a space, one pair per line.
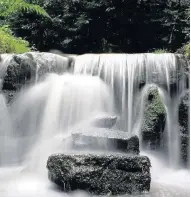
105, 139
100, 174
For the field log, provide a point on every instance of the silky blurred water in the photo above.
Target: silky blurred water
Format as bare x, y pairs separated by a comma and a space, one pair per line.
45, 114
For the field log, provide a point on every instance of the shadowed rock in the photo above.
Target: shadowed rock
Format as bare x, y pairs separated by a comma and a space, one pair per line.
105, 139
20, 70
28, 67
100, 174
184, 129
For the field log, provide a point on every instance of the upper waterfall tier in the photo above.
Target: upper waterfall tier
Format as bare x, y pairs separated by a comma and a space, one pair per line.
135, 70
129, 74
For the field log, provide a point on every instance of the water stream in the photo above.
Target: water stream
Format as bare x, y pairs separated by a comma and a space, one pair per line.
44, 114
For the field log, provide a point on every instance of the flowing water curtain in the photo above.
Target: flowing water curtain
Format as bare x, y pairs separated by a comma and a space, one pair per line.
51, 108
7, 143
128, 74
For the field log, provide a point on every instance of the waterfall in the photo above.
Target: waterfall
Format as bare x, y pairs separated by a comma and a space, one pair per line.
6, 142
49, 109
130, 76
42, 116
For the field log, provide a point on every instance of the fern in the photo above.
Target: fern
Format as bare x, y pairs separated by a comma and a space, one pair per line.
8, 7
10, 44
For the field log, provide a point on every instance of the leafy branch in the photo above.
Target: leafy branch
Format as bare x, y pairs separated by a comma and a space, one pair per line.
9, 7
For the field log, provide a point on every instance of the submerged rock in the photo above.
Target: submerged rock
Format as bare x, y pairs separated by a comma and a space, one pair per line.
100, 174
105, 139
154, 121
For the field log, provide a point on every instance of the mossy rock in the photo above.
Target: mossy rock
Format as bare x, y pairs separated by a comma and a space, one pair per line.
20, 71
154, 120
184, 128
100, 174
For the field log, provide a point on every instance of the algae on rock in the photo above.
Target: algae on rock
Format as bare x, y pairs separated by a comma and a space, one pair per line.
154, 120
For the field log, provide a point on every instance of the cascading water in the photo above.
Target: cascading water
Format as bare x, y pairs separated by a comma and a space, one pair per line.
127, 74
50, 108
42, 115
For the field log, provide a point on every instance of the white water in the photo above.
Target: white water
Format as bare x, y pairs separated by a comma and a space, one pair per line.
43, 115
49, 109
125, 72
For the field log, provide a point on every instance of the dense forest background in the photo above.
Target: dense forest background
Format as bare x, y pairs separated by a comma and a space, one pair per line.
97, 26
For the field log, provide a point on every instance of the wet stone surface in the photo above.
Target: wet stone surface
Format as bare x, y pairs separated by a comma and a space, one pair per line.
100, 174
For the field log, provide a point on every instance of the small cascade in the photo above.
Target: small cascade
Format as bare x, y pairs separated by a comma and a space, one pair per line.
130, 76
50, 108
67, 92
6, 129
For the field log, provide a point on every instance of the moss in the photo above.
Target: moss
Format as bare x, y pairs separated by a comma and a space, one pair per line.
187, 50
159, 51
11, 44
157, 106
154, 120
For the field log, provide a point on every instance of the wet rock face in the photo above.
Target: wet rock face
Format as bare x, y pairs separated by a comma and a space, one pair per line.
31, 66
20, 71
184, 113
184, 128
105, 139
154, 121
100, 174
24, 69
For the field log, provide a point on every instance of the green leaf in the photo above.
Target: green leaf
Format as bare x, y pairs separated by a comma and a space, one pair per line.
10, 44
9, 7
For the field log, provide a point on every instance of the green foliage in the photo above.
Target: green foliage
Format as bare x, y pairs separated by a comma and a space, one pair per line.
159, 51
155, 113
187, 50
10, 44
97, 26
157, 105
9, 7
